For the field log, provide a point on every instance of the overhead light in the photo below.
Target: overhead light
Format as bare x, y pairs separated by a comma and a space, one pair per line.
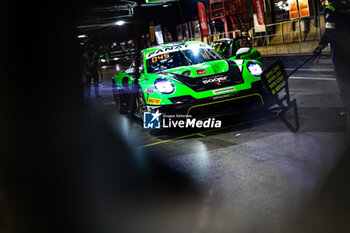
82, 36
120, 23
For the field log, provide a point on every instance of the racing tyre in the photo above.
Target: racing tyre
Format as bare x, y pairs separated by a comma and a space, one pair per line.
141, 103
120, 99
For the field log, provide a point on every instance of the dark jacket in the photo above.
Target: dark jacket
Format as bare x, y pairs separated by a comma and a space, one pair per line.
91, 63
337, 24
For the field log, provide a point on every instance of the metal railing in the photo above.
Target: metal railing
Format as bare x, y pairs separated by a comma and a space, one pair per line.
294, 31
213, 37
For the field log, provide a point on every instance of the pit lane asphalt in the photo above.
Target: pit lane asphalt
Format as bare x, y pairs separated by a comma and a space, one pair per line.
257, 175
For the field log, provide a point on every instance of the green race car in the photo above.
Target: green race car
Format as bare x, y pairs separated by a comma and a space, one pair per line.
237, 48
189, 78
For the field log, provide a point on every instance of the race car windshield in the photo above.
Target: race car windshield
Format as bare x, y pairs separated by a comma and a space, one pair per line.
185, 57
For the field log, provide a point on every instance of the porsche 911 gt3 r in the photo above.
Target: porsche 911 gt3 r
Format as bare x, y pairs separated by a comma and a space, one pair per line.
190, 78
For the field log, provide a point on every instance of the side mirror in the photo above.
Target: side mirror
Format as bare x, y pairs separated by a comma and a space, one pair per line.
242, 51
130, 71
141, 69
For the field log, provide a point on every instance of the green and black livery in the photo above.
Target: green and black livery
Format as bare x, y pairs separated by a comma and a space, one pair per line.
189, 78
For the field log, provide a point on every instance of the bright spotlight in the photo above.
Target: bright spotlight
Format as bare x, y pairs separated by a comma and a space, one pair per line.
120, 23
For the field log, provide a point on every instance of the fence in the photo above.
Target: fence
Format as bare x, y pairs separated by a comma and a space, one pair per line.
294, 31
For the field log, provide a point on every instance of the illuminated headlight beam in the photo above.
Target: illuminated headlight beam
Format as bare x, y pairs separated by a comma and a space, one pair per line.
254, 68
164, 86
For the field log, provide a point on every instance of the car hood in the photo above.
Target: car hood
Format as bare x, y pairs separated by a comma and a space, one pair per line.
202, 69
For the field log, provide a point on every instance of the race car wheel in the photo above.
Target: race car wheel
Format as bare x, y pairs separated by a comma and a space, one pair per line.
121, 103
120, 99
141, 103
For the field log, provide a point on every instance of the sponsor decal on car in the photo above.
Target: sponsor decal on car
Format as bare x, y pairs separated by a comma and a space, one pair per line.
201, 71
149, 90
217, 97
216, 80
174, 48
154, 101
223, 90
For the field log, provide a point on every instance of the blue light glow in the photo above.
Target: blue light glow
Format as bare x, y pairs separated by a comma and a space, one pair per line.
164, 86
254, 68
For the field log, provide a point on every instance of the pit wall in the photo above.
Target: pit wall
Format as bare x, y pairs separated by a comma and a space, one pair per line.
290, 49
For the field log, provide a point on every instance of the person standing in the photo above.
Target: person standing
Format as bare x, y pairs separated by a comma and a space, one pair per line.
91, 71
337, 35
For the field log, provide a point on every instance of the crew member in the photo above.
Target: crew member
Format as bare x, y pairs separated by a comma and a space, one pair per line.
337, 35
91, 62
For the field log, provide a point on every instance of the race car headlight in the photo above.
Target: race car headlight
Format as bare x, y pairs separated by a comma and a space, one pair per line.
164, 86
254, 68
